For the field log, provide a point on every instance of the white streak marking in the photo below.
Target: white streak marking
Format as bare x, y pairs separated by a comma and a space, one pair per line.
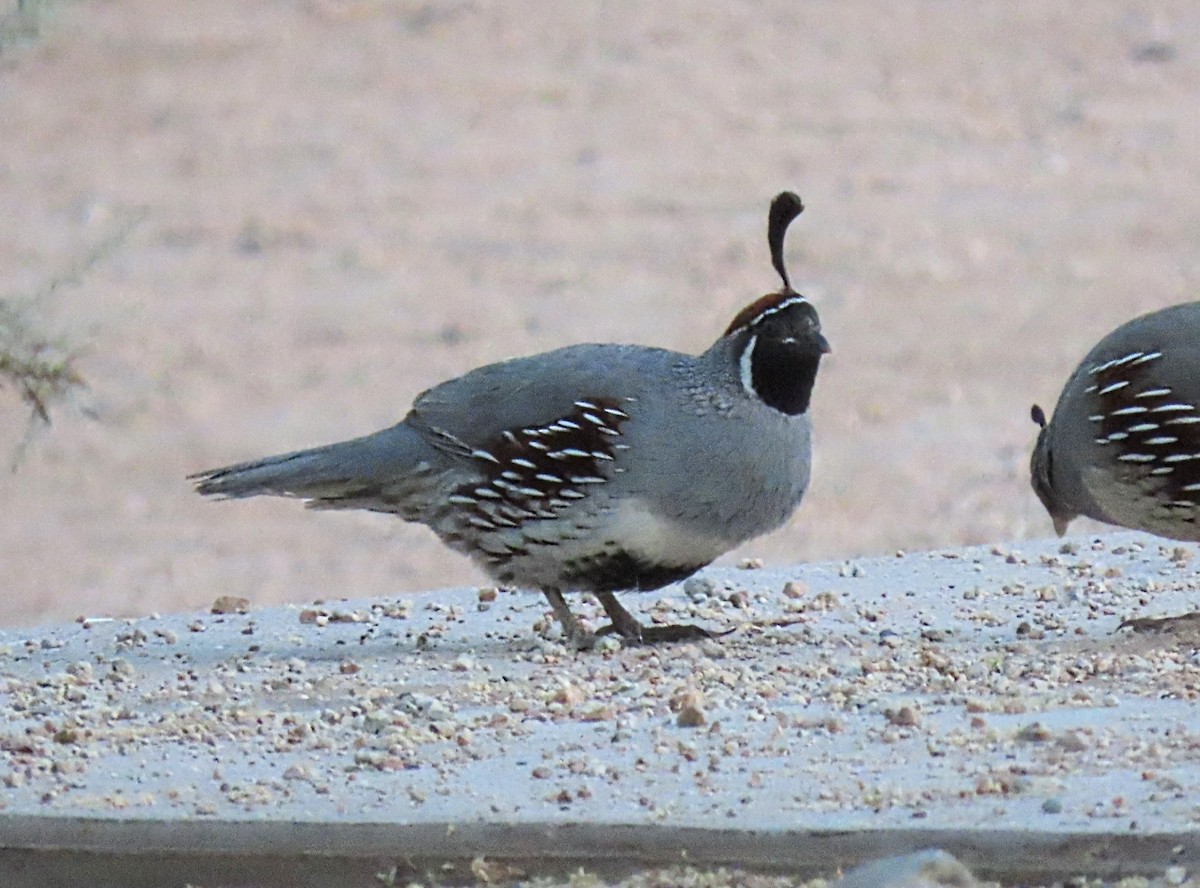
1174, 408
1115, 362
746, 363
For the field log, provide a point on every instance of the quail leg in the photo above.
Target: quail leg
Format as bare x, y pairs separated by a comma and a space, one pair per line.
578, 637
625, 625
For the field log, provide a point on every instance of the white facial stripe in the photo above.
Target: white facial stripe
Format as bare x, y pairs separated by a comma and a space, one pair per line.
776, 309
795, 299
746, 363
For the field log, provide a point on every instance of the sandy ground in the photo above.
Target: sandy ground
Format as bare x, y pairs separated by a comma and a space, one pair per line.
341, 203
980, 700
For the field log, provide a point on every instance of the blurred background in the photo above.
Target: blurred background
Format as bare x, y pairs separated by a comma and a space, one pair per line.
270, 225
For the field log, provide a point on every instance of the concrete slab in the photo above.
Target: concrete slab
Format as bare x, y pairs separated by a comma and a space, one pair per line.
982, 701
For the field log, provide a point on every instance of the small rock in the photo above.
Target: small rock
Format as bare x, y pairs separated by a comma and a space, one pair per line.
925, 869
699, 588
1073, 741
296, 772
1034, 733
1052, 806
689, 706
904, 717
795, 589
568, 695
230, 604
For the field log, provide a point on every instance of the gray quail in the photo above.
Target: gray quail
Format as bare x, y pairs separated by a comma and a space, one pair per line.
1123, 446
591, 468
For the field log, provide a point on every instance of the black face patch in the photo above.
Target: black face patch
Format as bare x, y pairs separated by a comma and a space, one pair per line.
536, 472
783, 374
780, 349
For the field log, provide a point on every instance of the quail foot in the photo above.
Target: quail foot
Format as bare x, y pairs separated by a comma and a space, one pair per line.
1123, 446
591, 468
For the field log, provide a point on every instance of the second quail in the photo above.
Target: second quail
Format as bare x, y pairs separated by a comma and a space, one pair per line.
1123, 446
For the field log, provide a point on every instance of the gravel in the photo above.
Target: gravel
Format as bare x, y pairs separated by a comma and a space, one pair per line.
981, 700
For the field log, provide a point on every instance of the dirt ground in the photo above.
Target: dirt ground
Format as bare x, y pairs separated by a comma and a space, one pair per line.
332, 205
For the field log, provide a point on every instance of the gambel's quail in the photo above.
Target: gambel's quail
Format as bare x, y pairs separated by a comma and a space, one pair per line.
1124, 444
591, 468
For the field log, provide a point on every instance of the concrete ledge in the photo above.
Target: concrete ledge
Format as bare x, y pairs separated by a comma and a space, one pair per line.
981, 701
152, 853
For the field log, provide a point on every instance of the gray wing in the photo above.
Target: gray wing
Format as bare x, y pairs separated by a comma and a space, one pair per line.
477, 408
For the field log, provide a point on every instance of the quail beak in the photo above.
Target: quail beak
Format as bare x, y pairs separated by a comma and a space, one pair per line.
823, 344
1060, 523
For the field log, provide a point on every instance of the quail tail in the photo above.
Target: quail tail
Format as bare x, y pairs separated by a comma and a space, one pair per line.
325, 475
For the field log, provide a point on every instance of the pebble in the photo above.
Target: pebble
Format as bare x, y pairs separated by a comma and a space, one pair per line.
699, 588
